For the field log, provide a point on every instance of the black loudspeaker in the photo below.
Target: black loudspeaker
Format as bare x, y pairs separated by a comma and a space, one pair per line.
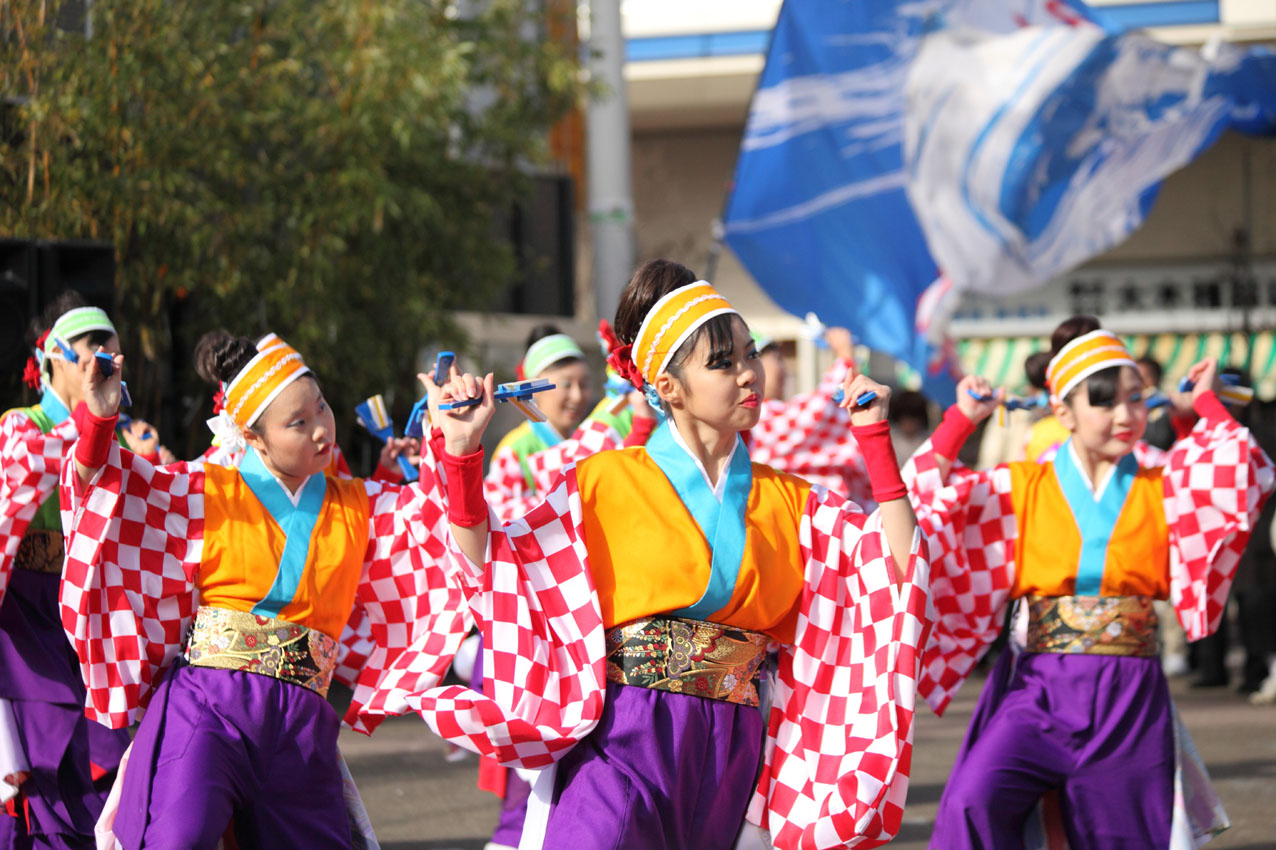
32, 274
18, 303
87, 267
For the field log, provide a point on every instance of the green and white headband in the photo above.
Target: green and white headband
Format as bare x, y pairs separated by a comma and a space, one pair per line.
77, 322
549, 350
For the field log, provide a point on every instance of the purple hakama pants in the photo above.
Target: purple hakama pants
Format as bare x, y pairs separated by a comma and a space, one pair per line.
220, 743
1097, 728
662, 771
40, 676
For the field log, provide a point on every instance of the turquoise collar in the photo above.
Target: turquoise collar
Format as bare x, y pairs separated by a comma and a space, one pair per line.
296, 521
53, 405
722, 523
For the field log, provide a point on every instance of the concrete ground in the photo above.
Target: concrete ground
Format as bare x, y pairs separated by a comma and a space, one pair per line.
418, 801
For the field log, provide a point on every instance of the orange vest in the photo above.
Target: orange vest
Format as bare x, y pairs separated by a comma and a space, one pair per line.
1135, 560
648, 556
243, 546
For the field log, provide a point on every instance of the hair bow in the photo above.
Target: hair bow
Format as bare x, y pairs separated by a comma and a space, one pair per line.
621, 360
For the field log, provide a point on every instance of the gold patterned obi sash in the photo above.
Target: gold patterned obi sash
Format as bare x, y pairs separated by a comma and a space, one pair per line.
687, 657
239, 640
40, 551
1092, 625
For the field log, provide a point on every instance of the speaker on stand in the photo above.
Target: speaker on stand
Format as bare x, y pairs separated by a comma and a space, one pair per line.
18, 304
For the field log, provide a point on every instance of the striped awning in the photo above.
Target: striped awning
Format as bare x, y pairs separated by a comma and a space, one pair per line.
1000, 359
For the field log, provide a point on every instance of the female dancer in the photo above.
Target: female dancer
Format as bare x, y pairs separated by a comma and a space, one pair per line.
1087, 541
626, 616
261, 564
67, 760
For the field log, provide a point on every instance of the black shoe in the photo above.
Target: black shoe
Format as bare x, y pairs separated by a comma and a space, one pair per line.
1213, 680
1249, 686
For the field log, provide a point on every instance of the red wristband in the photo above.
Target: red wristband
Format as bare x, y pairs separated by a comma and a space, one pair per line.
1182, 425
94, 446
1210, 407
641, 431
879, 457
466, 505
952, 433
386, 475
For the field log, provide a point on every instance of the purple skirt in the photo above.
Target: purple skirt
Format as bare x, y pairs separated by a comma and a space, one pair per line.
661, 771
1097, 728
40, 676
217, 744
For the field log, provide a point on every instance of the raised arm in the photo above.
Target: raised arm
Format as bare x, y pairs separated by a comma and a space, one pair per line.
102, 398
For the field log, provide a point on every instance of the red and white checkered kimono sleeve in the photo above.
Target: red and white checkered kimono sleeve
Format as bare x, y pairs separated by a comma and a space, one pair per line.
840, 734
355, 647
1216, 480
543, 640
30, 464
810, 436
505, 486
970, 529
415, 618
133, 542
593, 436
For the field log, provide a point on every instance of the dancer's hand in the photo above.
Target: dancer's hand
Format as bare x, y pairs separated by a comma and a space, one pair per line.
1204, 377
101, 395
974, 409
463, 427
855, 385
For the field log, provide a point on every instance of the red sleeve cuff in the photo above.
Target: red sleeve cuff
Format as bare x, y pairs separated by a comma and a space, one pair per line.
1210, 407
952, 433
641, 431
466, 504
386, 475
879, 458
94, 446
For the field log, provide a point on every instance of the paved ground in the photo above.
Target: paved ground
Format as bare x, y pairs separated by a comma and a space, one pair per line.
419, 802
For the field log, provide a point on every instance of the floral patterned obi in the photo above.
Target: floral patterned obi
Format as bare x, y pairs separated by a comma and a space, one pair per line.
239, 640
40, 551
1092, 625
687, 657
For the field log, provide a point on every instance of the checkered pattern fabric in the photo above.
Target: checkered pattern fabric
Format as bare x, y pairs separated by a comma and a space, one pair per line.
1215, 482
30, 464
810, 436
840, 734
134, 548
506, 486
133, 543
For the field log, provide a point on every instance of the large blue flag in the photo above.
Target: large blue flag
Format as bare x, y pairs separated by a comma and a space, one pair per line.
864, 105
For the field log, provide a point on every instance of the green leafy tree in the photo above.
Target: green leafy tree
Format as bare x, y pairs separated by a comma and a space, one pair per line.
327, 169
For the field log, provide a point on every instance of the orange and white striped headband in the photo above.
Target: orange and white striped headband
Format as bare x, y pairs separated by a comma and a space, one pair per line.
669, 324
1083, 357
261, 381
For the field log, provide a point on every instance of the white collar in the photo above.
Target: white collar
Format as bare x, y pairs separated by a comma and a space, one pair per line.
1085, 476
295, 498
721, 487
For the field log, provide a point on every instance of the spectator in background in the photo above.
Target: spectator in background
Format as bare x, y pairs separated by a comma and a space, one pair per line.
1047, 434
1160, 432
910, 422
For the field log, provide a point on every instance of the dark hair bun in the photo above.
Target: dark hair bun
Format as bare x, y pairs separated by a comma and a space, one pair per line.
1034, 367
652, 281
219, 356
1069, 330
540, 332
